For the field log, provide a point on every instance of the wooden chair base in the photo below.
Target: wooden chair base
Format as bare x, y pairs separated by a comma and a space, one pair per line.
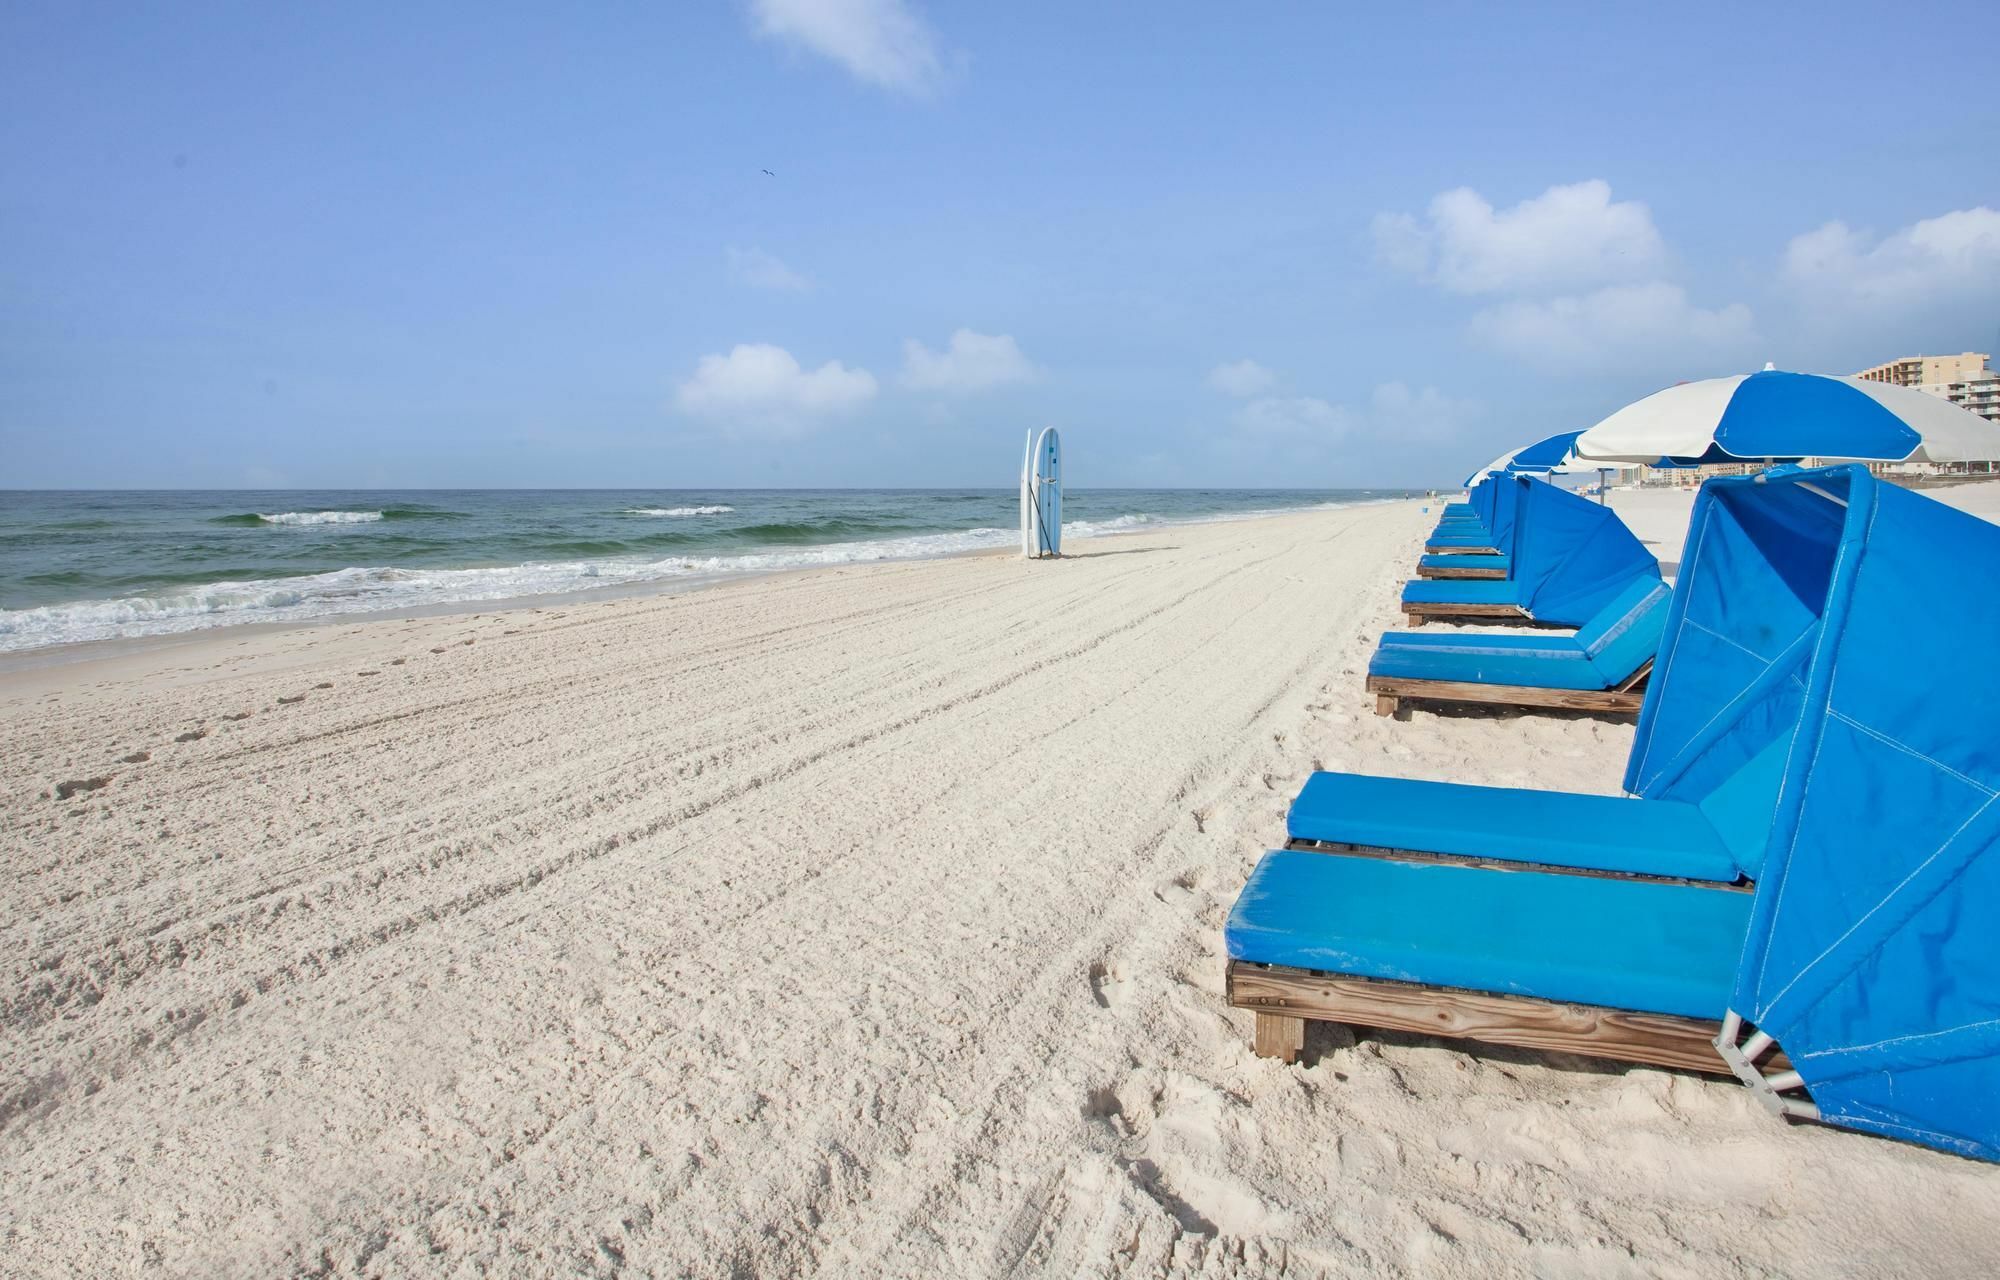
1419, 613
1432, 549
1432, 571
1285, 999
1390, 691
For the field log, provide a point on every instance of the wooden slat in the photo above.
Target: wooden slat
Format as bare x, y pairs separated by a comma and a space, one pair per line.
1637, 680
1465, 610
1513, 695
1431, 549
1433, 571
1544, 1025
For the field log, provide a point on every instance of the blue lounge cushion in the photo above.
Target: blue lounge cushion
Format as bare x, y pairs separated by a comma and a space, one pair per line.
1514, 641
1455, 538
1625, 634
1545, 662
1625, 944
1463, 591
1558, 828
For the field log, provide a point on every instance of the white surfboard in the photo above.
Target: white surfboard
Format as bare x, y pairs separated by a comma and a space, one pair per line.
1048, 493
1028, 496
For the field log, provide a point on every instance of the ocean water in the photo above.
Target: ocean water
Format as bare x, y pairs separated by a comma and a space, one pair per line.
92, 566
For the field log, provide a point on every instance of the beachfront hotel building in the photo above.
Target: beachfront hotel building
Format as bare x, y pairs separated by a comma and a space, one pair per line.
1918, 371
1964, 379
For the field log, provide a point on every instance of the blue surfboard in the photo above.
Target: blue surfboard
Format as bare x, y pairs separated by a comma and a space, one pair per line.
1047, 484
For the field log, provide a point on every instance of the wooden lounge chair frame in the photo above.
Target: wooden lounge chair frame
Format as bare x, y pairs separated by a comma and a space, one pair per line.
1420, 612
1285, 999
1624, 698
1432, 571
1433, 549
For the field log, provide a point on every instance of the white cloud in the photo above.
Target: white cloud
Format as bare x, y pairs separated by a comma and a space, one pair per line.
1394, 409
1241, 378
1568, 237
761, 270
970, 362
880, 41
1423, 414
758, 387
1292, 417
1944, 258
1634, 328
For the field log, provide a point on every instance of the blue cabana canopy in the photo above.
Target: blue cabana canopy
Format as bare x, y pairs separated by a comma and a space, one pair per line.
1491, 523
1569, 556
1872, 958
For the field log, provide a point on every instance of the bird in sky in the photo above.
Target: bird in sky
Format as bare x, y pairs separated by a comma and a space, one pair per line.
770, 174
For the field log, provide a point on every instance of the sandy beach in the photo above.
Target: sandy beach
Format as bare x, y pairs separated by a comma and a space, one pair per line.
855, 922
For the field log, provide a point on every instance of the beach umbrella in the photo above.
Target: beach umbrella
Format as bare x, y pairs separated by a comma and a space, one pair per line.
1778, 416
1551, 455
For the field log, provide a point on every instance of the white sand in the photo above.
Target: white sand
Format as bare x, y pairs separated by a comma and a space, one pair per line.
859, 922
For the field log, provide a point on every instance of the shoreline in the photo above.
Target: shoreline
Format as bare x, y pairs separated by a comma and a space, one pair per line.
64, 652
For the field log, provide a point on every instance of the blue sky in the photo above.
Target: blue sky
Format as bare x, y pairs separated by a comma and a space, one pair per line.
1307, 245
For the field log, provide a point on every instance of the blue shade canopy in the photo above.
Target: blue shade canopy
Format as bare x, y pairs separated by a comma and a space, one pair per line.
1569, 556
1873, 956
1779, 416
1554, 454
1546, 455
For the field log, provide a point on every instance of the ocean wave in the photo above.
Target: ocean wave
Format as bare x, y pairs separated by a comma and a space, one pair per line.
678, 511
321, 517
252, 519
256, 519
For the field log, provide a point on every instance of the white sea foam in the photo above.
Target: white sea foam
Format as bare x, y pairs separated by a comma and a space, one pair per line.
372, 590
320, 517
678, 511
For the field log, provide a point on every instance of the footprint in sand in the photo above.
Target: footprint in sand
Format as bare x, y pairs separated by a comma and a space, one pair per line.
368, 673
439, 649
324, 684
1107, 983
64, 790
394, 662
137, 757
1182, 888
192, 735
294, 698
237, 715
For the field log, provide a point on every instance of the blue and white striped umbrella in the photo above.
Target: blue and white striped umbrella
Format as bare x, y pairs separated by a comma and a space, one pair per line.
1778, 416
1555, 454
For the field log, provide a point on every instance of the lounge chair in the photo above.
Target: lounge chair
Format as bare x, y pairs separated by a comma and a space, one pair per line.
1625, 968
1567, 558
1603, 667
1483, 527
1555, 921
